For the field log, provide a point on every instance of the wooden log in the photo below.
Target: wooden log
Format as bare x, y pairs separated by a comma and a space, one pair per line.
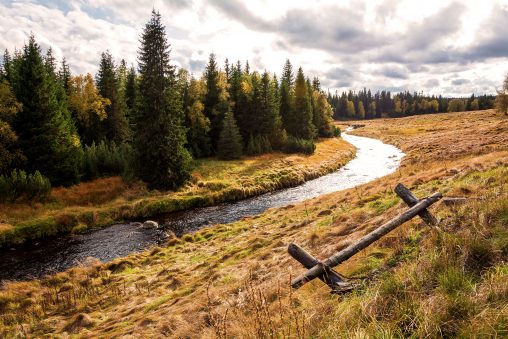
329, 277
453, 201
365, 241
408, 197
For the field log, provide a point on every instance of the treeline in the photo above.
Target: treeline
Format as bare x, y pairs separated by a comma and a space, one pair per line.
147, 122
365, 105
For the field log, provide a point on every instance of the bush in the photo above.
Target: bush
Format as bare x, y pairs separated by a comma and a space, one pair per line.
336, 131
258, 145
106, 160
297, 145
20, 186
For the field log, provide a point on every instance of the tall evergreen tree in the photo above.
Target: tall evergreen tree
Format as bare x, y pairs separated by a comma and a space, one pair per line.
271, 123
115, 127
64, 75
44, 127
131, 95
7, 66
211, 100
230, 142
286, 94
300, 122
161, 157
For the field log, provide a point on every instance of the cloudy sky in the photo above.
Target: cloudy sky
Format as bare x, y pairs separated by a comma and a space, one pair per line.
453, 48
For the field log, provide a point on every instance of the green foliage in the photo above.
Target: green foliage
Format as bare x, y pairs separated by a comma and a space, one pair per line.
298, 145
107, 160
501, 102
18, 186
115, 127
299, 123
213, 109
456, 105
322, 115
10, 154
46, 132
198, 125
258, 145
230, 142
161, 159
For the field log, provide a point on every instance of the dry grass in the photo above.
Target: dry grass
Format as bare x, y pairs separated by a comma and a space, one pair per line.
232, 280
104, 201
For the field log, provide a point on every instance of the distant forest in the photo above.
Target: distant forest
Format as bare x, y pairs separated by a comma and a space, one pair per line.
150, 121
365, 105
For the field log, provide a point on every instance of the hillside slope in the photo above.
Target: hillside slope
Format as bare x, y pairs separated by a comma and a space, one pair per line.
232, 280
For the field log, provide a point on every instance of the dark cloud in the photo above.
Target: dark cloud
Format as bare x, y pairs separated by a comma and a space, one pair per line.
492, 41
340, 84
339, 73
238, 11
394, 72
459, 82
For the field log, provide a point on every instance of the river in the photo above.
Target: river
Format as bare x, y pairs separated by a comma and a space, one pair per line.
373, 160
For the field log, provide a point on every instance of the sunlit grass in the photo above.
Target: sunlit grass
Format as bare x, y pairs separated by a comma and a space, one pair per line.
233, 280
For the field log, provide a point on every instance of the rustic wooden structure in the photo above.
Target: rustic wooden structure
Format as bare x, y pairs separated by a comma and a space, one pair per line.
324, 270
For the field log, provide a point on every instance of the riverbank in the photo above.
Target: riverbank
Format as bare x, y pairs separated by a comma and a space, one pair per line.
106, 201
232, 280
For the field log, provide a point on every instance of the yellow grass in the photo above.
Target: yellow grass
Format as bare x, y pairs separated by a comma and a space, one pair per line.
232, 280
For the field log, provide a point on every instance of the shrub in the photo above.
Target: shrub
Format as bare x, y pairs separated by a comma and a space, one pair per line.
258, 145
297, 145
107, 160
20, 186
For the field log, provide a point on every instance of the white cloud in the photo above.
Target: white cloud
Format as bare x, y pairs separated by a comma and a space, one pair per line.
375, 44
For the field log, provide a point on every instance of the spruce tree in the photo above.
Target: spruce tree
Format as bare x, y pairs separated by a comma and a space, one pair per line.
131, 95
300, 123
271, 124
230, 142
161, 159
7, 66
286, 94
43, 126
211, 101
116, 126
64, 75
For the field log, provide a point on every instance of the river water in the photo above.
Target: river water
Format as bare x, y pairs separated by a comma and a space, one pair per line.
373, 160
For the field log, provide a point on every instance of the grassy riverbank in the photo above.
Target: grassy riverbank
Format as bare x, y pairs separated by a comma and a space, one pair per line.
232, 280
105, 201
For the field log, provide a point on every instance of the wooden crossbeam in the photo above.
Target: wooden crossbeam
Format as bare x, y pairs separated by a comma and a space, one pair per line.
408, 197
321, 268
329, 277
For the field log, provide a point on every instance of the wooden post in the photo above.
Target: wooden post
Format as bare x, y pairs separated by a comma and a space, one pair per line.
365, 241
408, 197
329, 277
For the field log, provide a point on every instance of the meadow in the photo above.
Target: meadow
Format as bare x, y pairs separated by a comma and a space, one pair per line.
233, 280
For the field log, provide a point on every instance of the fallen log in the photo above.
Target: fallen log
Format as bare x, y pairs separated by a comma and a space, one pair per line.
321, 267
453, 201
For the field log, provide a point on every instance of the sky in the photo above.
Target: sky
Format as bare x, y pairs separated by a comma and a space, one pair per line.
436, 47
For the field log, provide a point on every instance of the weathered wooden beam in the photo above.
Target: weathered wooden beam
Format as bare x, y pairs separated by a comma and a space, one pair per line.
365, 241
329, 277
408, 197
452, 201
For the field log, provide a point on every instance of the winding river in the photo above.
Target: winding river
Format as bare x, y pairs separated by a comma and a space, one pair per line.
373, 160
